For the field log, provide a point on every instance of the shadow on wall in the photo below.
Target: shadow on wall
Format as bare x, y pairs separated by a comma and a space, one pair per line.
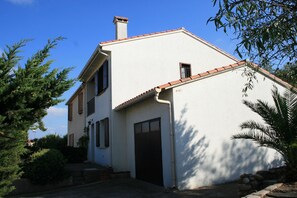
238, 157
190, 147
199, 162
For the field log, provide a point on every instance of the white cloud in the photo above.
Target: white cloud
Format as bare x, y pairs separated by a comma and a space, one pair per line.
21, 2
57, 111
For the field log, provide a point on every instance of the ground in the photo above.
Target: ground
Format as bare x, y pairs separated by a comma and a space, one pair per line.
135, 188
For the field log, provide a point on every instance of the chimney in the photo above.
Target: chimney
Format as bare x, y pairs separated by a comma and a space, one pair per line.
121, 27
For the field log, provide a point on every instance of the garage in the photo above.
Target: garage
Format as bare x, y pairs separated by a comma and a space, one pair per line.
148, 151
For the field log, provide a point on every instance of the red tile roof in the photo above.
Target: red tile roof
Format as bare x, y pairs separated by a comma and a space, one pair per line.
193, 78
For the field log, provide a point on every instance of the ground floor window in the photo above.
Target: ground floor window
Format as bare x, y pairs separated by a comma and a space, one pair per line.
102, 133
71, 139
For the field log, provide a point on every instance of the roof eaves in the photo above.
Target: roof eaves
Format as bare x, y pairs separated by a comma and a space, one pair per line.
136, 99
89, 62
211, 45
79, 89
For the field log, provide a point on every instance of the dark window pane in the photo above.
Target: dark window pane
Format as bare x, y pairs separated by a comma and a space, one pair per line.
155, 125
185, 71
137, 128
145, 127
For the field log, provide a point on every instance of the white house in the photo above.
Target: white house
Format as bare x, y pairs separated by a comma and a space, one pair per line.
177, 133
76, 116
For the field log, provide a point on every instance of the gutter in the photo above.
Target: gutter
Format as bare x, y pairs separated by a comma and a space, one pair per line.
97, 51
172, 141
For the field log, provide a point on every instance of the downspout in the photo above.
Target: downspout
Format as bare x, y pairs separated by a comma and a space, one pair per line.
172, 145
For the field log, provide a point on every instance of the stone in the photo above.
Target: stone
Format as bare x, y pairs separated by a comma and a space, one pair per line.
245, 180
244, 187
259, 177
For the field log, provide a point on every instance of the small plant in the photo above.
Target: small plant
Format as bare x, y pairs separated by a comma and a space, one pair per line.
46, 166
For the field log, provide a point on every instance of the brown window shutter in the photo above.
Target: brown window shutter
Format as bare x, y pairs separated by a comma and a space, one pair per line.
80, 102
106, 123
70, 112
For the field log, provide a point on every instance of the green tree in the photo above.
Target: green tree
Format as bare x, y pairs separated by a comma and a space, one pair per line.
25, 95
279, 130
266, 29
288, 73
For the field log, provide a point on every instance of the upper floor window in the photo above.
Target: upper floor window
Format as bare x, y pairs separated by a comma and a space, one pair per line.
185, 70
80, 102
102, 78
70, 112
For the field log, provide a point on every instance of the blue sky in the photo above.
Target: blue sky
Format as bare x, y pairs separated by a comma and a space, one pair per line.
85, 23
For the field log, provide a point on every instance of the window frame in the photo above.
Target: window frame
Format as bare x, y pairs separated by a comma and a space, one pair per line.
183, 65
102, 133
149, 124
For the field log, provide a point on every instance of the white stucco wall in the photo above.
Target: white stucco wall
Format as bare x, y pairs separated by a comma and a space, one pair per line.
76, 126
144, 111
137, 66
145, 63
102, 110
207, 113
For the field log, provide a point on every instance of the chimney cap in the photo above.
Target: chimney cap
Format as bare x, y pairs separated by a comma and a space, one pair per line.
120, 19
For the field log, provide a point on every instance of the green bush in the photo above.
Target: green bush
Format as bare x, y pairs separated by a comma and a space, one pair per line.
46, 166
10, 151
51, 141
74, 154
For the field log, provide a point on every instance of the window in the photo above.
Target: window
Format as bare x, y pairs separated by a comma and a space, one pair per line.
70, 112
147, 126
97, 134
80, 102
185, 70
106, 132
71, 140
102, 133
102, 78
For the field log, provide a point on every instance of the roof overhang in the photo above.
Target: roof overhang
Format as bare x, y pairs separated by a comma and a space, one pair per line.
98, 57
79, 89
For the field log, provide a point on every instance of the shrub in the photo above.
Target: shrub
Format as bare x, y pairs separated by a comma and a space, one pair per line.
83, 141
10, 151
46, 166
51, 141
74, 155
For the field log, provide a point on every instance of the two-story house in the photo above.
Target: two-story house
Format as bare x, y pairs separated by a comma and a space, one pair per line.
165, 105
76, 116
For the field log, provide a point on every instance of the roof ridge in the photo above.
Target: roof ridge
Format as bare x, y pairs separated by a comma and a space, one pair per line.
142, 35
